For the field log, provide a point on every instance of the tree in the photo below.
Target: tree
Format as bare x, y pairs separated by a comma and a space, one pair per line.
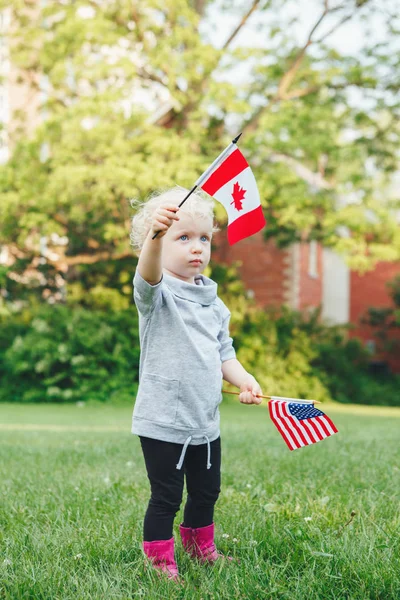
321, 160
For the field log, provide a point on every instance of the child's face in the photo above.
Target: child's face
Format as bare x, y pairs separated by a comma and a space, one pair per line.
187, 240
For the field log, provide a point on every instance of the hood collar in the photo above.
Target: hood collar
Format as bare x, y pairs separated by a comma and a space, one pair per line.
205, 292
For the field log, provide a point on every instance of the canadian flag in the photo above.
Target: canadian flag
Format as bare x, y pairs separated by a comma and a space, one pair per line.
233, 184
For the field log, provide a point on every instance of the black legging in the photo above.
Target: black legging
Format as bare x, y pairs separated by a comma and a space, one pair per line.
166, 481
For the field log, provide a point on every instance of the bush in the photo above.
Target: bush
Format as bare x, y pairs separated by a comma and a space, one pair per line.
68, 353
343, 366
58, 354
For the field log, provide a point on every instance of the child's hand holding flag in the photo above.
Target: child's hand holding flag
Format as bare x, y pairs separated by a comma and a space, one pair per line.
249, 390
233, 372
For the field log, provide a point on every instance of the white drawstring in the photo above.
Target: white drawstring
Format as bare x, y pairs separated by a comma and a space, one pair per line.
208, 453
186, 444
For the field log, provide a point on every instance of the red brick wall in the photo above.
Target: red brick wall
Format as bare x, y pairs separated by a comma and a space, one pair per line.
263, 265
310, 287
370, 290
266, 270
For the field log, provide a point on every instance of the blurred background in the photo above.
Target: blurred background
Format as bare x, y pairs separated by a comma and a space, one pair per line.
103, 101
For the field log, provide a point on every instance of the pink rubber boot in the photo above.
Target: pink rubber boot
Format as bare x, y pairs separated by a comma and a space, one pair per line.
199, 543
162, 556
187, 539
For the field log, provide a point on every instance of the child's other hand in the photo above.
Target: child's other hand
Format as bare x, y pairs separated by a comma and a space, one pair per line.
249, 389
163, 217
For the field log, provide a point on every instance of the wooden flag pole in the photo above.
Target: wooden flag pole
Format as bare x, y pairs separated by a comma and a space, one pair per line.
238, 393
269, 397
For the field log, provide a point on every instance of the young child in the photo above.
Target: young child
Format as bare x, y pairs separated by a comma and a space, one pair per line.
186, 351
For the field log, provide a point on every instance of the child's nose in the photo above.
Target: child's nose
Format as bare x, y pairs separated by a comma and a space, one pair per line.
196, 246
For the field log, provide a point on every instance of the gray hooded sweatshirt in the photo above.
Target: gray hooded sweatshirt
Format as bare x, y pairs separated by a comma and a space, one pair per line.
184, 339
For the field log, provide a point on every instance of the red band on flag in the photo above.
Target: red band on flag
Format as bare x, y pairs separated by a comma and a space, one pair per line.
313, 430
321, 423
294, 425
331, 424
273, 408
230, 168
246, 225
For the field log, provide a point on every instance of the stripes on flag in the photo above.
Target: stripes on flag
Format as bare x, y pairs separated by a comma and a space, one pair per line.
230, 168
250, 223
299, 423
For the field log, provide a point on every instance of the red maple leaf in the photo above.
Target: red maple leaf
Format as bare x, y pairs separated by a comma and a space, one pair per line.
238, 195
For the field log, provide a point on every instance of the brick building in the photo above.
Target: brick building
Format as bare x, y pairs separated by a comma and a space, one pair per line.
306, 275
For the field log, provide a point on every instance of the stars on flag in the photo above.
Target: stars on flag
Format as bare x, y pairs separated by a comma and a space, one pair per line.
304, 411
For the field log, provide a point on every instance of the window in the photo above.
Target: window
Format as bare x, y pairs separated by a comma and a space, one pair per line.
313, 259
370, 346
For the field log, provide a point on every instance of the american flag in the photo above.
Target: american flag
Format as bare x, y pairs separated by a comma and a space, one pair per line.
299, 423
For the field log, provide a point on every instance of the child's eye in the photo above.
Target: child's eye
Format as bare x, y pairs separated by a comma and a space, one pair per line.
183, 236
205, 238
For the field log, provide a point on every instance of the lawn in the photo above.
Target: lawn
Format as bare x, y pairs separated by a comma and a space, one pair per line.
73, 492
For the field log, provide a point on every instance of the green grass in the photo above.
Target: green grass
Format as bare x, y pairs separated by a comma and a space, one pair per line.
73, 492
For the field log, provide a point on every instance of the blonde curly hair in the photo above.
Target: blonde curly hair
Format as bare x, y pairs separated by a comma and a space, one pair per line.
197, 205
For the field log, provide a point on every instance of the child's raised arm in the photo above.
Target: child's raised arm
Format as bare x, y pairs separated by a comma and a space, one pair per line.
149, 264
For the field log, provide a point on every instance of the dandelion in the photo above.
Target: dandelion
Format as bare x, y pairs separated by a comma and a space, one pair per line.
129, 463
107, 480
308, 518
7, 562
95, 499
78, 556
235, 540
76, 489
225, 535
253, 542
248, 485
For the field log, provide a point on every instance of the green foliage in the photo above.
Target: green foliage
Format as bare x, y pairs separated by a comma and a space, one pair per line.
89, 349
343, 366
67, 354
55, 354
394, 287
107, 68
